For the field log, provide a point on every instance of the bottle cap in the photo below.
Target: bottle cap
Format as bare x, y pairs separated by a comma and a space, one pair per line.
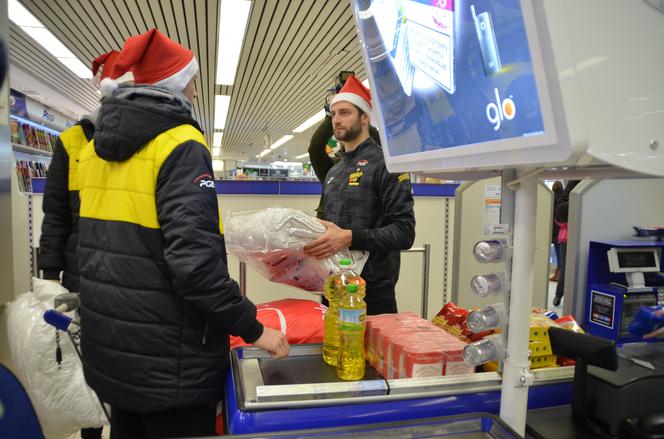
345, 261
352, 288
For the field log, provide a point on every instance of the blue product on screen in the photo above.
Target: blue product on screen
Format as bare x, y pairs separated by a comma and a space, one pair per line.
487, 39
646, 320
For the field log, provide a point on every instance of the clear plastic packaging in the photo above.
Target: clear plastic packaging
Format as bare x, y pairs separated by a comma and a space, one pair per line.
494, 250
490, 317
483, 351
272, 241
489, 284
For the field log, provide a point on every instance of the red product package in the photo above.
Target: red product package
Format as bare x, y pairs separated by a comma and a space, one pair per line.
302, 321
422, 358
378, 325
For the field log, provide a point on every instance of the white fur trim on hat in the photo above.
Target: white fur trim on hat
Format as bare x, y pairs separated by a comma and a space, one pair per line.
107, 85
353, 99
179, 80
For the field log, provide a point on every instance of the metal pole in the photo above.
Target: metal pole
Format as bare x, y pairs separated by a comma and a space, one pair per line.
516, 374
243, 278
426, 256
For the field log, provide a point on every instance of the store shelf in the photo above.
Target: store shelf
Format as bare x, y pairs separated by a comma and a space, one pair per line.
30, 150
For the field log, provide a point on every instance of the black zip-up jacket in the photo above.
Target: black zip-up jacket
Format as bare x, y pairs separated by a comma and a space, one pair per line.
321, 161
157, 302
377, 206
61, 203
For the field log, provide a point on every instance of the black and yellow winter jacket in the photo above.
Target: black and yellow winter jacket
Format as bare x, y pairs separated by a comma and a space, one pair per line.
59, 236
157, 301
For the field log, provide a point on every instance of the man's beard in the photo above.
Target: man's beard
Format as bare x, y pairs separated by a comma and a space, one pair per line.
351, 133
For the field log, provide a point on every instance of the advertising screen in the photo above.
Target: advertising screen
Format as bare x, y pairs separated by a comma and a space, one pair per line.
449, 73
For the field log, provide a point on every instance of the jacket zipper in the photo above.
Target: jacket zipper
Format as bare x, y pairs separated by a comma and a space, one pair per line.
205, 332
341, 188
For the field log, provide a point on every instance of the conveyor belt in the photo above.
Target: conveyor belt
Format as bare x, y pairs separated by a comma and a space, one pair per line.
304, 380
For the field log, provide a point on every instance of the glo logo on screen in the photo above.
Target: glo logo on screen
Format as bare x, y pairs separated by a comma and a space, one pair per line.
502, 109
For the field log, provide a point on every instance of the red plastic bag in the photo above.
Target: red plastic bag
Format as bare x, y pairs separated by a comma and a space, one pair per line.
302, 321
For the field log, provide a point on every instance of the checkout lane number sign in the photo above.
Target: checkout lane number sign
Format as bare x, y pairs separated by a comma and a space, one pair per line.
602, 308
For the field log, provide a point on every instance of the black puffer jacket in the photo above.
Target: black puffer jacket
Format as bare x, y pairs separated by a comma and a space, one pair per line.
59, 236
157, 301
361, 195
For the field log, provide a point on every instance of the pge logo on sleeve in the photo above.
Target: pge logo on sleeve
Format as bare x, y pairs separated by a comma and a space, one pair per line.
500, 110
204, 181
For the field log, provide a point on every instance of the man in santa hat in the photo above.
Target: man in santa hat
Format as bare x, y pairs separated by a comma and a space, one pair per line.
366, 207
157, 302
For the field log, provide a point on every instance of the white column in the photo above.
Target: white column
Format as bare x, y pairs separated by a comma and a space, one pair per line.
516, 375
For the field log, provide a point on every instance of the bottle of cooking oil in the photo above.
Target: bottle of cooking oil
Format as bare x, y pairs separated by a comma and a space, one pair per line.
334, 289
352, 324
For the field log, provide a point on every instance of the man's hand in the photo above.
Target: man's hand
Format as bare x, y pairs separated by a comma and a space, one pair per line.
658, 333
274, 342
334, 239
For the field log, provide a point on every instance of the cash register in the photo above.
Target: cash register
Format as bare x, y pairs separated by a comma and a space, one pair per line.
623, 276
618, 391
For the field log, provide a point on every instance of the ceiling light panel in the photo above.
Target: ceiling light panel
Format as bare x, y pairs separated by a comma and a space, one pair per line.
233, 17
310, 122
221, 104
36, 30
281, 141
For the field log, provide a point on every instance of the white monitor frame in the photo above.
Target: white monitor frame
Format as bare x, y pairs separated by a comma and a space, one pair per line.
614, 265
511, 152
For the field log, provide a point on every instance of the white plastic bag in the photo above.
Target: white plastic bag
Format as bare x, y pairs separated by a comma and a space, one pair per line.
63, 401
272, 241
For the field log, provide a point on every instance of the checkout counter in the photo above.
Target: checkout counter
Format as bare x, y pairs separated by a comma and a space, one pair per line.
302, 392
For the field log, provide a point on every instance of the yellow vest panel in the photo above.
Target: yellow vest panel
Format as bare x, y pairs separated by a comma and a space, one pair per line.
125, 191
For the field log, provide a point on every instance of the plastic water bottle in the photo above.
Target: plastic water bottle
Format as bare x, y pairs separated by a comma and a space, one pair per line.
488, 349
352, 325
491, 317
334, 289
488, 284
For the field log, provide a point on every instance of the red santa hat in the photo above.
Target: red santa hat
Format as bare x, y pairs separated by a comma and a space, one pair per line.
154, 59
354, 92
103, 65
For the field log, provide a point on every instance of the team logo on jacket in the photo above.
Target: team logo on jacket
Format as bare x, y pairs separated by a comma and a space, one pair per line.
362, 163
354, 178
204, 181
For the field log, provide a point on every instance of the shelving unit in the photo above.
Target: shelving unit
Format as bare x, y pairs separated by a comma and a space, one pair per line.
30, 150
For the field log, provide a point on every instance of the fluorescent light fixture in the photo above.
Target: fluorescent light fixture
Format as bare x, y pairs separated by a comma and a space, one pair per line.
264, 153
218, 165
216, 151
76, 66
216, 138
301, 156
281, 141
38, 32
310, 122
221, 104
21, 16
233, 16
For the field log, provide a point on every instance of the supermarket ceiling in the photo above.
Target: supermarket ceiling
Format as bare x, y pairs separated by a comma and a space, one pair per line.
291, 53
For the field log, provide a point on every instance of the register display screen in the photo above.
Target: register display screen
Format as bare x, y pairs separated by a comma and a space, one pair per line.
449, 73
645, 259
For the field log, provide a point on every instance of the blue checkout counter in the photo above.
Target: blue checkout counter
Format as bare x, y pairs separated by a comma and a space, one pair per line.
302, 392
622, 277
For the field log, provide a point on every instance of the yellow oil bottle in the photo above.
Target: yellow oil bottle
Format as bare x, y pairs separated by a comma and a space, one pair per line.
334, 289
352, 325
